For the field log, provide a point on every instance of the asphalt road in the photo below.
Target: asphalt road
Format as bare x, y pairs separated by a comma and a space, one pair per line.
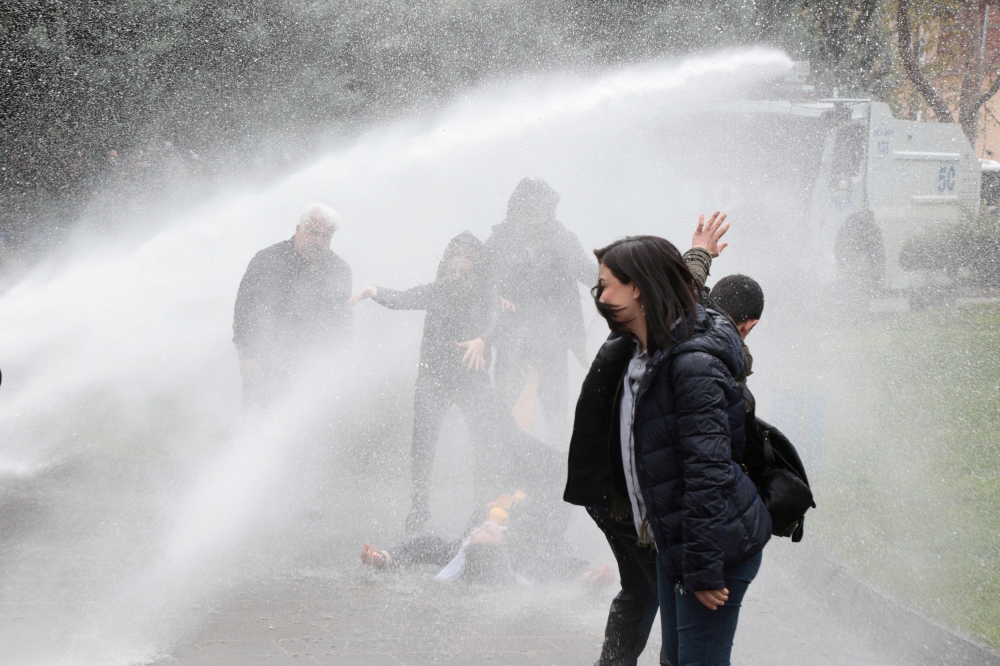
80, 585
355, 616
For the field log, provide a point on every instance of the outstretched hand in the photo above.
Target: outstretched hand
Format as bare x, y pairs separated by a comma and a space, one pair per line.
506, 305
374, 557
475, 350
367, 292
707, 235
712, 599
603, 576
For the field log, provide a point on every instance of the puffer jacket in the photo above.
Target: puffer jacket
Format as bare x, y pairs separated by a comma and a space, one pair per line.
596, 473
705, 512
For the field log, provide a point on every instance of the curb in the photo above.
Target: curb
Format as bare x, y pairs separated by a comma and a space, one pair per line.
898, 630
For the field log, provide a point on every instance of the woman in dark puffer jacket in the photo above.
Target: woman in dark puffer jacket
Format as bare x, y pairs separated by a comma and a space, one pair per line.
681, 441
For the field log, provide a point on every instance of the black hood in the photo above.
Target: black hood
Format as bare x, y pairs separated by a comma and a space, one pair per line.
463, 245
532, 196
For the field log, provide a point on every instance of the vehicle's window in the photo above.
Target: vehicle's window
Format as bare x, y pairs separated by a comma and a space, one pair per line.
849, 150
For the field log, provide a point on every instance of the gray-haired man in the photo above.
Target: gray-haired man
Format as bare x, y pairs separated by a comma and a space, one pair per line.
292, 301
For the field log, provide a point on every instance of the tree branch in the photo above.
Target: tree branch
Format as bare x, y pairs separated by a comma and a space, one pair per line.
912, 67
992, 90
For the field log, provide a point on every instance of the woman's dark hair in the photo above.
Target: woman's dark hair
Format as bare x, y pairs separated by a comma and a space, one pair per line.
668, 288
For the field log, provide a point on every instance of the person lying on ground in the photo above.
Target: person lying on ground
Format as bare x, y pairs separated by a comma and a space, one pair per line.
492, 552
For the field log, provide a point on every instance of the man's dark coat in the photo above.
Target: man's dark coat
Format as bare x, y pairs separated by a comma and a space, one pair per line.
286, 304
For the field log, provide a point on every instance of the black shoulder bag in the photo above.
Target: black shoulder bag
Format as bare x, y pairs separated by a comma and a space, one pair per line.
774, 466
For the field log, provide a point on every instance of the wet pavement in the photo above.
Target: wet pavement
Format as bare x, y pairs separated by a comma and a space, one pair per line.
79, 586
374, 618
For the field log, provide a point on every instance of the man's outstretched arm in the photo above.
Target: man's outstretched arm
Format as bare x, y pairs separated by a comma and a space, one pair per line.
705, 245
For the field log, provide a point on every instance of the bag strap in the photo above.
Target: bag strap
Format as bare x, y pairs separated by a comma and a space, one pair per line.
768, 450
750, 404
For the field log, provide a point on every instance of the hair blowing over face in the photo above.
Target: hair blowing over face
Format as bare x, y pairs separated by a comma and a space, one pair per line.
667, 286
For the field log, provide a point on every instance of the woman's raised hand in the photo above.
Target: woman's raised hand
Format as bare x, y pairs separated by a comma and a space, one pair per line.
707, 235
474, 353
367, 292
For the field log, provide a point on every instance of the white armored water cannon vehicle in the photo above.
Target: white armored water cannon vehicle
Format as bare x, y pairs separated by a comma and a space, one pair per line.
878, 183
884, 182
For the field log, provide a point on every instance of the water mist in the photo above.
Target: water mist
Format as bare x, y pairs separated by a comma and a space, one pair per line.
141, 489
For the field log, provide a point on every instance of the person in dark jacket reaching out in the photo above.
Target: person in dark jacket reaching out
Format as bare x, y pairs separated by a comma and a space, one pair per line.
462, 312
664, 385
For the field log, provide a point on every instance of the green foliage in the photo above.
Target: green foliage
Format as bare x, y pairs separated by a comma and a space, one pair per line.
850, 46
93, 76
969, 251
231, 78
196, 84
910, 485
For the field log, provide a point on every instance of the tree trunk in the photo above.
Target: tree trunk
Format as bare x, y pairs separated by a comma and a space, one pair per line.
909, 57
970, 27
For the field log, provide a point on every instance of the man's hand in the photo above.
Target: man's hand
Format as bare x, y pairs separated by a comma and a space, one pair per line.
506, 305
713, 598
367, 292
474, 350
707, 235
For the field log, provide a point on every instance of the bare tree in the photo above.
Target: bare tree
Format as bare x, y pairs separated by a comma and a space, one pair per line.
969, 25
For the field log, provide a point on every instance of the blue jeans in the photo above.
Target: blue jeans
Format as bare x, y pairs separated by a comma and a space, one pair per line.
693, 635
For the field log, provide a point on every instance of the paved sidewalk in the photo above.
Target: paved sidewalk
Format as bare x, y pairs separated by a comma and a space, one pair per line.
373, 618
76, 545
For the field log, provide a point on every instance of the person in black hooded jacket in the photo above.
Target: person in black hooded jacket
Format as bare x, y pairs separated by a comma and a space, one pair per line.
663, 387
535, 263
461, 313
